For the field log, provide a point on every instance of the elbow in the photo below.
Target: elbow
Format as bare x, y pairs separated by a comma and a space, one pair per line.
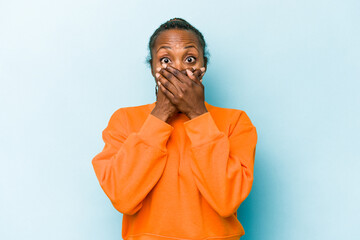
226, 207
126, 208
226, 211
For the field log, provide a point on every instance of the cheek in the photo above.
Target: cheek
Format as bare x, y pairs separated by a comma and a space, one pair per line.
156, 62
198, 64
156, 65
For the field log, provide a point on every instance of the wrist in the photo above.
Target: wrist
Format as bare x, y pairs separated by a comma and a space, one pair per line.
197, 113
159, 114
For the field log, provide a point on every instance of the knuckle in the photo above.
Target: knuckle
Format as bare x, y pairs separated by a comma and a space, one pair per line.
164, 73
181, 88
171, 77
168, 75
176, 73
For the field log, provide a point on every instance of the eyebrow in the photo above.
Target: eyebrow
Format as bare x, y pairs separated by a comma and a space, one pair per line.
190, 46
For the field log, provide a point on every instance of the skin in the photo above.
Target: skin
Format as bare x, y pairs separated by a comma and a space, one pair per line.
178, 68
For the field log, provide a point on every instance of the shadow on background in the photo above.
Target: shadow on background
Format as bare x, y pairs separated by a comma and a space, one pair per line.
257, 212
254, 212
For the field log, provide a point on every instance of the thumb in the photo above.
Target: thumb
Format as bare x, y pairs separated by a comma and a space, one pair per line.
192, 76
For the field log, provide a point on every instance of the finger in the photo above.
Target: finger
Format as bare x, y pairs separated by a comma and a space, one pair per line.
171, 77
194, 76
183, 71
178, 74
201, 73
166, 92
165, 83
197, 73
201, 76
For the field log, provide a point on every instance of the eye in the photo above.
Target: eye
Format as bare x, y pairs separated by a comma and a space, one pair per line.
190, 59
164, 60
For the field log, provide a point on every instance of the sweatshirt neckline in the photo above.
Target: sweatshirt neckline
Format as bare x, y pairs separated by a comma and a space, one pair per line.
152, 106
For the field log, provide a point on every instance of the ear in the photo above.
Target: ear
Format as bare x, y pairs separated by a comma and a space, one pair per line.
152, 72
152, 69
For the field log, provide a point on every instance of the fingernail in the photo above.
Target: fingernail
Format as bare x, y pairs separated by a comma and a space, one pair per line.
159, 83
157, 75
202, 69
158, 69
164, 65
194, 68
189, 72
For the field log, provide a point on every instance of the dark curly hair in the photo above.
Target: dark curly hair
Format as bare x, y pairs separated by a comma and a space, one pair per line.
177, 23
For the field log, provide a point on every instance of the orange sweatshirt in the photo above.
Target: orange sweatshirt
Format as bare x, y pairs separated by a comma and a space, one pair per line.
179, 180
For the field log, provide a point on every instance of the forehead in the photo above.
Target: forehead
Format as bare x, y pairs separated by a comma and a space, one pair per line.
176, 37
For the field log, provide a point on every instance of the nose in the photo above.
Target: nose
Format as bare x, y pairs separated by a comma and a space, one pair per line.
179, 65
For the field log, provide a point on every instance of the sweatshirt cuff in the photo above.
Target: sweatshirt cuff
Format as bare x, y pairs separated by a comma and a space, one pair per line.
202, 129
155, 132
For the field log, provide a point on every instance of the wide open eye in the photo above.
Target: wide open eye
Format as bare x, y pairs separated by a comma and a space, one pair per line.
165, 60
190, 59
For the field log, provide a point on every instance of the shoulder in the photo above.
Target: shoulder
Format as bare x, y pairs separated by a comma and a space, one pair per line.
127, 117
231, 115
131, 110
235, 123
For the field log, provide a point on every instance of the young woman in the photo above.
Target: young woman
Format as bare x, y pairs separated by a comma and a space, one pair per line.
178, 168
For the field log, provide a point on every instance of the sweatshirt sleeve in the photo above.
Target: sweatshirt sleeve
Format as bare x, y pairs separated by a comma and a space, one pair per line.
222, 165
130, 164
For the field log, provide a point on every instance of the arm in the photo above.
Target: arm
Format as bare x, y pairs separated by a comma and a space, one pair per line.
222, 165
131, 164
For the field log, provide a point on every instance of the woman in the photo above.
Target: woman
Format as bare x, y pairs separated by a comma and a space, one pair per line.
177, 168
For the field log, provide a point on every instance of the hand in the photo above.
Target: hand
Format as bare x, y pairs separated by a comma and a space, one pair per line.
164, 109
186, 92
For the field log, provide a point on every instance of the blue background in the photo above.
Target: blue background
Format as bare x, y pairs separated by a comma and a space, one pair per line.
293, 66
